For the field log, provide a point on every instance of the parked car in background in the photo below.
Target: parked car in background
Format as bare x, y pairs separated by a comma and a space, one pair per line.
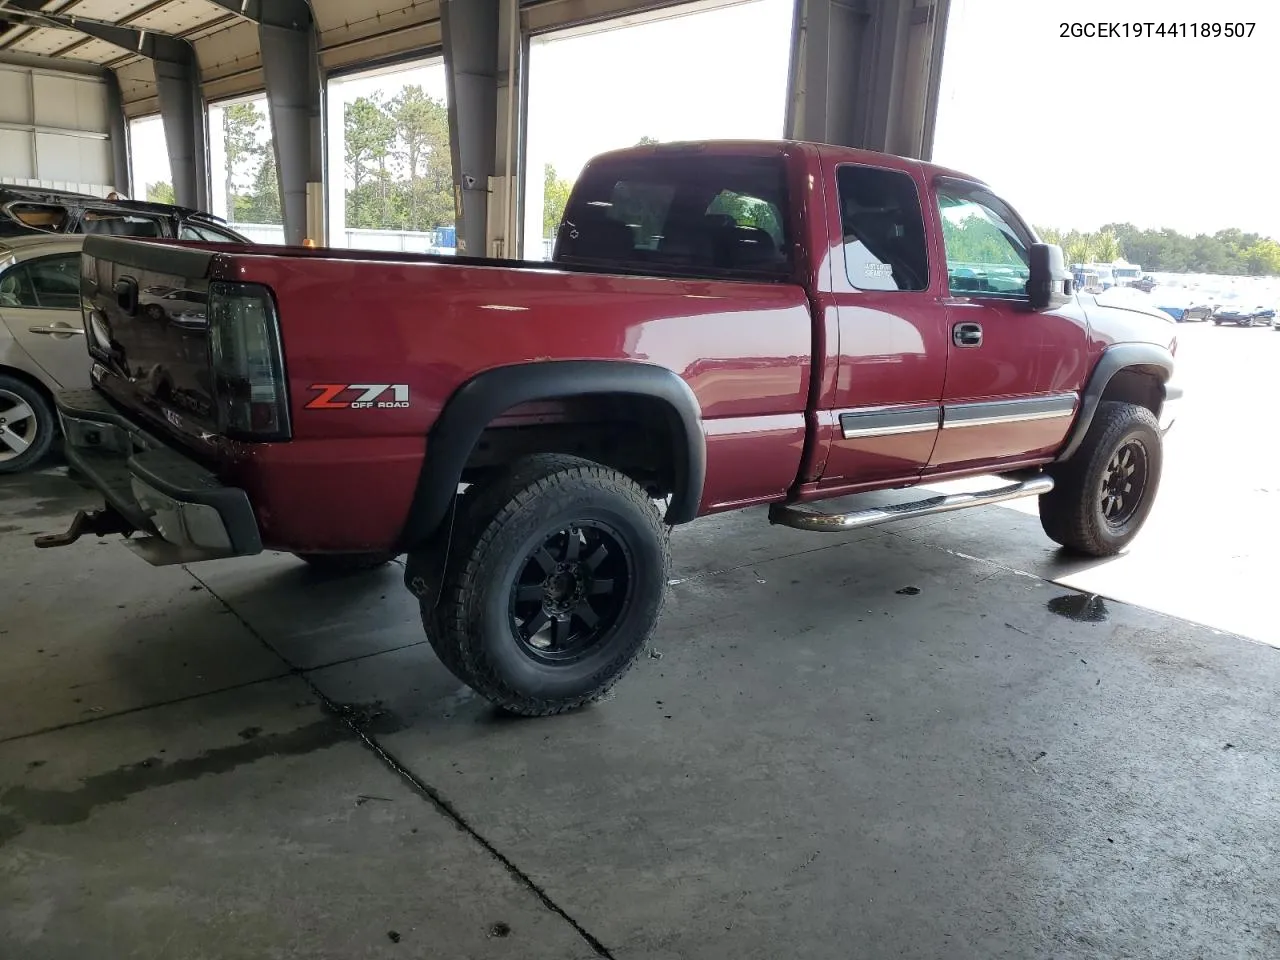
41, 341
33, 210
1243, 316
1183, 306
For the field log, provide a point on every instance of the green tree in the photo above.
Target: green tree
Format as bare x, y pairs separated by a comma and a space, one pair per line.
555, 195
262, 205
1106, 248
242, 125
422, 127
1262, 259
1227, 252
369, 137
161, 192
647, 141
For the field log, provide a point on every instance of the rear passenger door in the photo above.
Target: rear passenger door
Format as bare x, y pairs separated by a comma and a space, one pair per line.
892, 353
40, 304
1014, 373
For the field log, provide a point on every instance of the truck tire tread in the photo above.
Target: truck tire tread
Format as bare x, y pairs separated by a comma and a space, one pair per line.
1069, 513
506, 510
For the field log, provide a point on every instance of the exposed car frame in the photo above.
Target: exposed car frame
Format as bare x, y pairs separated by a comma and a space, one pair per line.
34, 210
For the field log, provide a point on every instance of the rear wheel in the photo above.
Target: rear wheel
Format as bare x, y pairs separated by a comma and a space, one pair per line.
339, 564
1102, 495
27, 424
553, 584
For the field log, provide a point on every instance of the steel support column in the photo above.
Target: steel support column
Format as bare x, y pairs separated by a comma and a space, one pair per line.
186, 129
865, 73
295, 97
469, 29
122, 178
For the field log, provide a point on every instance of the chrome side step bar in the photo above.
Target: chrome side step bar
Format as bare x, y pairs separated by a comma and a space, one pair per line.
795, 515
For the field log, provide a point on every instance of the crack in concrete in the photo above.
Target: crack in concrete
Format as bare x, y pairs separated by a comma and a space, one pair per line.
291, 672
419, 786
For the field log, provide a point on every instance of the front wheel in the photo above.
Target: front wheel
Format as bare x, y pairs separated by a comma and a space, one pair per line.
553, 584
1102, 495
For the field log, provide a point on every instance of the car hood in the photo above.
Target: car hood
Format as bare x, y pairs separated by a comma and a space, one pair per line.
1124, 319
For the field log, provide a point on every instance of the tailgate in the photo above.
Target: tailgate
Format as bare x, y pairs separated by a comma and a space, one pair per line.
147, 320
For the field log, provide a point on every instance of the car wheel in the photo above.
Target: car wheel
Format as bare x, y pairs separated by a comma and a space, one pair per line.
552, 586
27, 424
340, 564
1102, 495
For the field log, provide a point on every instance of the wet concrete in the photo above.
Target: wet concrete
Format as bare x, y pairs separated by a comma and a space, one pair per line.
883, 744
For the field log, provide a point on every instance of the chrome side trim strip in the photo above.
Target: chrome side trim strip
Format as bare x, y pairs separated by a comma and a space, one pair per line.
888, 421
990, 412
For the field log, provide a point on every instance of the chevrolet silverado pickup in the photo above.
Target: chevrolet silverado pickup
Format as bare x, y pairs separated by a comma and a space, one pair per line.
722, 325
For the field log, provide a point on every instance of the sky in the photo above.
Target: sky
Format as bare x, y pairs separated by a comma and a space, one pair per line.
1073, 132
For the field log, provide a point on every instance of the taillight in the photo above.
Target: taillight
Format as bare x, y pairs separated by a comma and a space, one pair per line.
248, 364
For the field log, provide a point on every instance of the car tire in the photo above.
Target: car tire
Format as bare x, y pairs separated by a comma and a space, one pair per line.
28, 424
1103, 494
343, 564
553, 584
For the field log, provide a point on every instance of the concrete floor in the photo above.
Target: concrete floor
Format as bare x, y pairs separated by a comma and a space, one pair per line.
241, 760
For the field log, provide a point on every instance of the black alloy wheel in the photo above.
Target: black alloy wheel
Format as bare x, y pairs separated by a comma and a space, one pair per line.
548, 584
570, 591
1124, 482
1101, 496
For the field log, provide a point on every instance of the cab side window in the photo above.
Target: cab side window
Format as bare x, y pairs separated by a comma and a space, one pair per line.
883, 227
987, 252
52, 283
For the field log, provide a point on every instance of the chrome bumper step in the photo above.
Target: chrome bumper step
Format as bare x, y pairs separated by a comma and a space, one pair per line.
804, 518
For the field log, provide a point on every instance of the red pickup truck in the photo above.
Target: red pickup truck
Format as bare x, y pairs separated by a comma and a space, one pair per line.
722, 325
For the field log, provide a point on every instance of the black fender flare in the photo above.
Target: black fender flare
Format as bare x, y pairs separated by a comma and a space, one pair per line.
481, 399
1150, 358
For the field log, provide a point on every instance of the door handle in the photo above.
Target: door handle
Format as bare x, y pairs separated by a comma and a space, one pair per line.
967, 335
59, 329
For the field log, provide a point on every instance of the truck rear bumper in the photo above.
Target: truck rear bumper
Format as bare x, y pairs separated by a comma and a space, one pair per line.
185, 512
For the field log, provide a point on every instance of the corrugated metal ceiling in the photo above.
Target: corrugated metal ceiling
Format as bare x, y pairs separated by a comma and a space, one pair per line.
352, 33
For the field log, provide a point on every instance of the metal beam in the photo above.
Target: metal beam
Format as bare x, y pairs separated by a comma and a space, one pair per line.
182, 107
289, 44
470, 32
865, 73
119, 127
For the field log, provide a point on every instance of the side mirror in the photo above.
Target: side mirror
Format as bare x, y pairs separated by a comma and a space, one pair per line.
1049, 284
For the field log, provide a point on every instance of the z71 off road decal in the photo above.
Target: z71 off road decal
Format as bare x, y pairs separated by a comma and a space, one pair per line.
367, 396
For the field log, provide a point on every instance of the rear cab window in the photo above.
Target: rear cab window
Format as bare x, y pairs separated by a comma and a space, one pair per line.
701, 215
882, 226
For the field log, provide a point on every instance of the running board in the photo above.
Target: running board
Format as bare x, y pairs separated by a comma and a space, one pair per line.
793, 515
